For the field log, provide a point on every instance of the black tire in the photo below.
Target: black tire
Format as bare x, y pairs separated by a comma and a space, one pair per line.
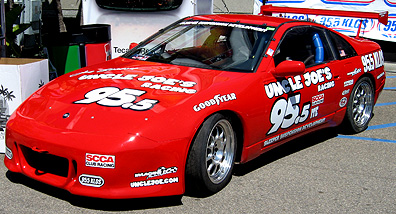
211, 158
360, 107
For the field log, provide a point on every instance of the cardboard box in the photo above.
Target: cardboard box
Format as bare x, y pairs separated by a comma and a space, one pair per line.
19, 78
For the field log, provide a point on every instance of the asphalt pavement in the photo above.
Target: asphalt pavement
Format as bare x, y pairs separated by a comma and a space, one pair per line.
324, 172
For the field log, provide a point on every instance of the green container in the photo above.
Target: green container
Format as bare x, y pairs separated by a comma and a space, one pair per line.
67, 50
65, 58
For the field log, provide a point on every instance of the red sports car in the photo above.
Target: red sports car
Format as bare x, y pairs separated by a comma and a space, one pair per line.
180, 108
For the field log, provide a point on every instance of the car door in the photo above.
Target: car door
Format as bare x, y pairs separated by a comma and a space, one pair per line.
347, 64
302, 100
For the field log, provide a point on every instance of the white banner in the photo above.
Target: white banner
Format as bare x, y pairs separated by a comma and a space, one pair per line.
371, 27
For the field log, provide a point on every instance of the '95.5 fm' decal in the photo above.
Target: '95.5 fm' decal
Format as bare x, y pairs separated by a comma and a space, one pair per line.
285, 113
114, 97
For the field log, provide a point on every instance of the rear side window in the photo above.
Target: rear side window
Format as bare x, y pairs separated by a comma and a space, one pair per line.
140, 5
343, 48
306, 44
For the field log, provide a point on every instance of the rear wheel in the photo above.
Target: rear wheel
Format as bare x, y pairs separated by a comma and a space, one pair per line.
360, 106
212, 155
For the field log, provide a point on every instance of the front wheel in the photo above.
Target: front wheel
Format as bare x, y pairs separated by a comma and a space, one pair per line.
211, 157
360, 106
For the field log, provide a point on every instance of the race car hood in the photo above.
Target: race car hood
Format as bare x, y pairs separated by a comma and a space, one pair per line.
126, 96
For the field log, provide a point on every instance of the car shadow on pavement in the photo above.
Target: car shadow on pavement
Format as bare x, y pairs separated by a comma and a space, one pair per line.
95, 203
286, 149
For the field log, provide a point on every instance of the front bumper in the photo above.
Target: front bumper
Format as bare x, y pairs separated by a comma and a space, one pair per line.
102, 166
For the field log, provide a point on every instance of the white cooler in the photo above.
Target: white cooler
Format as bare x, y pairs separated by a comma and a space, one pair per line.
19, 78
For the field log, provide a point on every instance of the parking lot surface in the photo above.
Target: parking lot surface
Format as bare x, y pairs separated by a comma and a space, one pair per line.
324, 172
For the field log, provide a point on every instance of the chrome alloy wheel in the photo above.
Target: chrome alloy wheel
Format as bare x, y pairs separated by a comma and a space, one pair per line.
362, 104
219, 151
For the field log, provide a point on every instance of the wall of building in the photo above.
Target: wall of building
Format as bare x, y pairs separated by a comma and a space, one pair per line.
232, 6
70, 7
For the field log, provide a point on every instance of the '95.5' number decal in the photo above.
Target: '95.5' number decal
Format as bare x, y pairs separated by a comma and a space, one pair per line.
285, 113
114, 97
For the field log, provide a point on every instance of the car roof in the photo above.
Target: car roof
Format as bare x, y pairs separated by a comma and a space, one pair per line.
244, 18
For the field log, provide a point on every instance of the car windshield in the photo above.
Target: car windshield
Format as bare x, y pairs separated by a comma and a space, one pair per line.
207, 44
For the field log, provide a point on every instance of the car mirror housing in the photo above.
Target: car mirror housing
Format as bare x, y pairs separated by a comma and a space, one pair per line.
289, 68
132, 45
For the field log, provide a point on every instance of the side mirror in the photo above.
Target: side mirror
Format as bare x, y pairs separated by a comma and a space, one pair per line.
132, 45
289, 68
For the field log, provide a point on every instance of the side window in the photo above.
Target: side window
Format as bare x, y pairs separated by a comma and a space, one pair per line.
307, 44
344, 49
